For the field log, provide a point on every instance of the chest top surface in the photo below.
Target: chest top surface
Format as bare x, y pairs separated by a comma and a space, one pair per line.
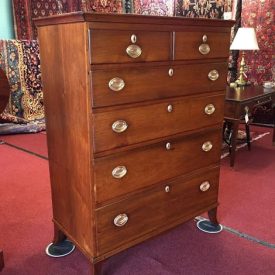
241, 94
131, 19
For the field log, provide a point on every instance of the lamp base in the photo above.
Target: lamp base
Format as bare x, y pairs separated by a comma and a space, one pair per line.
241, 82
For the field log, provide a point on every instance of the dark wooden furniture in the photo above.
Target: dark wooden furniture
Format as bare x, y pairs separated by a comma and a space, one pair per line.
134, 108
1, 260
241, 101
4, 91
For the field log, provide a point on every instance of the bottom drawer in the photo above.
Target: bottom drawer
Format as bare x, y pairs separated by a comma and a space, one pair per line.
123, 222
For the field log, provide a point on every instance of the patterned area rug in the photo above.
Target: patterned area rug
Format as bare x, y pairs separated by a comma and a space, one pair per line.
241, 142
20, 61
202, 9
16, 128
151, 7
27, 10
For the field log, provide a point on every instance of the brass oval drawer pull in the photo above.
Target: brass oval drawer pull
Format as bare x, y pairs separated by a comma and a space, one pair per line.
133, 51
168, 146
121, 220
170, 72
213, 75
169, 108
204, 49
205, 186
133, 38
207, 146
209, 109
119, 172
116, 84
119, 126
167, 189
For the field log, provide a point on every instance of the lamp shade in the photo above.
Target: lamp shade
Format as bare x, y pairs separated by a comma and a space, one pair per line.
245, 39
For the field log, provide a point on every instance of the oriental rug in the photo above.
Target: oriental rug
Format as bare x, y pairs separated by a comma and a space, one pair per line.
20, 61
26, 10
152, 7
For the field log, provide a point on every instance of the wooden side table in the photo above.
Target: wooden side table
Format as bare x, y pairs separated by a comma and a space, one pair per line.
241, 101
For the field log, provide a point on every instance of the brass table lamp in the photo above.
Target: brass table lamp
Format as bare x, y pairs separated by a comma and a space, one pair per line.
245, 40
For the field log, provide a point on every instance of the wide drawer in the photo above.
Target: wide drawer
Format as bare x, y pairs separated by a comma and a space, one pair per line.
197, 45
126, 85
158, 209
249, 107
126, 172
122, 127
111, 46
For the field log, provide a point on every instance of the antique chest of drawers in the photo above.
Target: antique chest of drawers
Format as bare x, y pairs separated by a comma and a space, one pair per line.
134, 108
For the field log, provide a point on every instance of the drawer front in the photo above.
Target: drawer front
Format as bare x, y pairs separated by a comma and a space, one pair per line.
248, 107
197, 45
126, 172
127, 126
110, 46
157, 209
118, 86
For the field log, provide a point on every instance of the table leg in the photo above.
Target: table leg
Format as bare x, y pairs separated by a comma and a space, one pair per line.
1, 260
273, 140
247, 131
233, 142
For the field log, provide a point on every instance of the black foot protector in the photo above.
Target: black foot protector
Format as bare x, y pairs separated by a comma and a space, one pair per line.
61, 249
209, 227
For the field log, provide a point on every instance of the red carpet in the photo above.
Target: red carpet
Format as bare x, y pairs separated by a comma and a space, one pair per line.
247, 204
247, 191
36, 143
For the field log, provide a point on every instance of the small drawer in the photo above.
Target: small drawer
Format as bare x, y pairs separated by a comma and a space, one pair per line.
248, 107
126, 126
126, 85
111, 46
122, 173
158, 209
263, 100
197, 45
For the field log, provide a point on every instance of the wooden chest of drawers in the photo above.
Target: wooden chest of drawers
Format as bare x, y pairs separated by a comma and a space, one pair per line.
134, 108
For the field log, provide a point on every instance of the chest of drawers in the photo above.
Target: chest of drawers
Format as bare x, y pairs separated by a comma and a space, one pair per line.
134, 108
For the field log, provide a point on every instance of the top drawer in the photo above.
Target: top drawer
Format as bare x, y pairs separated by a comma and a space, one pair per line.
197, 45
110, 46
